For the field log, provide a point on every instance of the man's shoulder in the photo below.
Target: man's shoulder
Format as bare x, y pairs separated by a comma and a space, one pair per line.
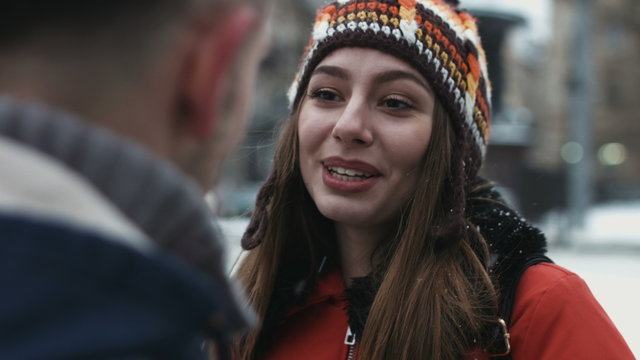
78, 290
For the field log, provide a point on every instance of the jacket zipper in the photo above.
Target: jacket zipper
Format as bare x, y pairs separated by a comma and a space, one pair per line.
350, 341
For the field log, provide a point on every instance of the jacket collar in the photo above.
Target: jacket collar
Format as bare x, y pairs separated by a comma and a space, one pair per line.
330, 287
149, 192
74, 201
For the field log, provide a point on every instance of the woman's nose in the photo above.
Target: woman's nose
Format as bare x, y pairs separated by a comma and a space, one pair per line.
353, 127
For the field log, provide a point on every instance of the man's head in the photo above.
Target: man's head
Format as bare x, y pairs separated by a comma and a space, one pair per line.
174, 76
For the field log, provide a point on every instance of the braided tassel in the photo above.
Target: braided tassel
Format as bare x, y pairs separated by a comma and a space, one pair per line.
257, 227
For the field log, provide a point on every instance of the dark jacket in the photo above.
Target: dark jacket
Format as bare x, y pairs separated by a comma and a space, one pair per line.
73, 294
106, 252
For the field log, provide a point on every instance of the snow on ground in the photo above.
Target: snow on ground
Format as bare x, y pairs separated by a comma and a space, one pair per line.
614, 221
613, 276
612, 225
233, 228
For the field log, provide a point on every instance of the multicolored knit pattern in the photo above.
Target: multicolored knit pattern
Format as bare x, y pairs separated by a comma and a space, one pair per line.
438, 39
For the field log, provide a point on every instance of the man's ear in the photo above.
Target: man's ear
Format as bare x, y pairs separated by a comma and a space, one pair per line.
211, 59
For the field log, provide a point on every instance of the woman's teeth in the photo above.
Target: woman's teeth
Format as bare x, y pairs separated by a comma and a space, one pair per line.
347, 174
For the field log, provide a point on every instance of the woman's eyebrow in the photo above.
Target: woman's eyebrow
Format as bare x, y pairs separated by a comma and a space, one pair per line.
331, 71
399, 74
386, 76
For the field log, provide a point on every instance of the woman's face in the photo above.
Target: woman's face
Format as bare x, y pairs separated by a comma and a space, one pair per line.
364, 126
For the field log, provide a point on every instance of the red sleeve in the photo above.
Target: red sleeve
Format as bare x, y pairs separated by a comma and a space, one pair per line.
555, 316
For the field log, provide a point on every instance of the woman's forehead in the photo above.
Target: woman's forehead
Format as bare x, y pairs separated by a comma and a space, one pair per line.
354, 63
364, 58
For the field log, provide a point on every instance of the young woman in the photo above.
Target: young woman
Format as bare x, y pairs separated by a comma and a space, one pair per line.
373, 237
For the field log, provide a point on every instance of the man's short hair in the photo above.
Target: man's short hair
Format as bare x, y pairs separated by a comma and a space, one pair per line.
110, 40
21, 20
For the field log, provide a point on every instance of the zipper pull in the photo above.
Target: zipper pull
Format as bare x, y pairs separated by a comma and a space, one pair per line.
350, 338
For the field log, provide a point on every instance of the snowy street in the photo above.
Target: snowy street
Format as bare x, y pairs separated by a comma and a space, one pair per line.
613, 276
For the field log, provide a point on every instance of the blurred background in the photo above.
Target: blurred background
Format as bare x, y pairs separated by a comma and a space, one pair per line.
564, 137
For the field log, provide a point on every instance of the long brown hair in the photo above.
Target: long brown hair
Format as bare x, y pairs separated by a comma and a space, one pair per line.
435, 299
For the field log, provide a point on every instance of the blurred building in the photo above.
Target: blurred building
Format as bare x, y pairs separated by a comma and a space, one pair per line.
617, 111
537, 90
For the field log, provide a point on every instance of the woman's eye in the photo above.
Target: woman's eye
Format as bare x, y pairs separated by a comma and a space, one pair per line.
325, 95
396, 103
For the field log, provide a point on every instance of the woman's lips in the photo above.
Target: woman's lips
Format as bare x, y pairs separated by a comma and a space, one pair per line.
348, 175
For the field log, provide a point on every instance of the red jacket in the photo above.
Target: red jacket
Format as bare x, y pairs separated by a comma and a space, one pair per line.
555, 316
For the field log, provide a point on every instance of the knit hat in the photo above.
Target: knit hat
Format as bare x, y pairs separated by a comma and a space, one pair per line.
440, 41
434, 36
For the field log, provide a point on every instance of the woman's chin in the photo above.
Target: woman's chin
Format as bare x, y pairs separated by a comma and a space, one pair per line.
341, 215
353, 217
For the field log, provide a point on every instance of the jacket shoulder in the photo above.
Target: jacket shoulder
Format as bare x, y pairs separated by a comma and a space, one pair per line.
70, 293
556, 317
